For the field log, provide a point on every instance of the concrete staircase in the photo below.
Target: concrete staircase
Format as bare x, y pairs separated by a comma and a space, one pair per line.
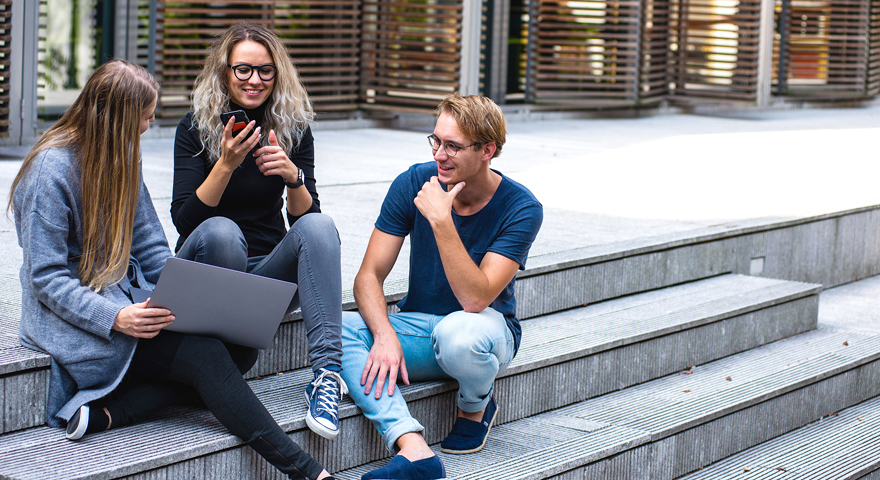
647, 359
843, 444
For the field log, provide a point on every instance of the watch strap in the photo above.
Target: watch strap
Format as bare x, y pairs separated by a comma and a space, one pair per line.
299, 180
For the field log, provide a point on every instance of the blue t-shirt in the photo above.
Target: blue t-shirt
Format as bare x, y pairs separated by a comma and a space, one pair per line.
507, 226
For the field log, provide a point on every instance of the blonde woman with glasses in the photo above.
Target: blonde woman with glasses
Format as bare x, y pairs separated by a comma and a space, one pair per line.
230, 182
89, 233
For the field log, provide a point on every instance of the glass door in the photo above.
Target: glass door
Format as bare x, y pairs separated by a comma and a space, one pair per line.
72, 41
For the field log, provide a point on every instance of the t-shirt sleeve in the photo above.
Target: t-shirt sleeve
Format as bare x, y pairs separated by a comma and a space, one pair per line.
398, 210
518, 233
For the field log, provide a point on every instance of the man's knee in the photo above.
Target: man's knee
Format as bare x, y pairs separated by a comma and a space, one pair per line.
462, 334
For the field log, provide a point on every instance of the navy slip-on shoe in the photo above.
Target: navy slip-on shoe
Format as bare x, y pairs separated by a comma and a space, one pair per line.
468, 436
399, 468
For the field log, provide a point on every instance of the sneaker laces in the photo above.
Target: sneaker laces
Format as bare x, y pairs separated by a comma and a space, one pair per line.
327, 390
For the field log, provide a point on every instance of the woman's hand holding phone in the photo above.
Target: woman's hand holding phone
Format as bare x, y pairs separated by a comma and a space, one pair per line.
141, 321
236, 147
272, 160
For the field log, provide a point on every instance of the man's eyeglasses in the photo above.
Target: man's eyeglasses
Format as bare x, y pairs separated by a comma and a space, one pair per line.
451, 149
244, 72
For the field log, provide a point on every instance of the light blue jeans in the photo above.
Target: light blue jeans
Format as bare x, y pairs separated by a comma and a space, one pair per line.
308, 255
472, 348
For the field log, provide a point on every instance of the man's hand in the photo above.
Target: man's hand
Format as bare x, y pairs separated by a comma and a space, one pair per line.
434, 203
384, 362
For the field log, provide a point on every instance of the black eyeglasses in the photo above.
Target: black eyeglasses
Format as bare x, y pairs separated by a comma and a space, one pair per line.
244, 72
451, 149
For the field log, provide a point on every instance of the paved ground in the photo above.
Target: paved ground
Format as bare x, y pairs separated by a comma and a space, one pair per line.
600, 180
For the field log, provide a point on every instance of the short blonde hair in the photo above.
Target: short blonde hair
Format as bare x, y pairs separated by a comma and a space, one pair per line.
478, 118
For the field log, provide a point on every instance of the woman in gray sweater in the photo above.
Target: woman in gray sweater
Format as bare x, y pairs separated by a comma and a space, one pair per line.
89, 232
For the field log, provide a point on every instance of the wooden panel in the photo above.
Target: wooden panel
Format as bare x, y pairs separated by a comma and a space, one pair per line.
654, 51
872, 84
827, 48
322, 37
5, 62
585, 52
411, 52
714, 49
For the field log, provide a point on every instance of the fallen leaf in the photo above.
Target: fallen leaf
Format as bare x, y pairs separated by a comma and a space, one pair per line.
686, 391
780, 469
687, 372
845, 343
860, 419
745, 469
832, 414
728, 379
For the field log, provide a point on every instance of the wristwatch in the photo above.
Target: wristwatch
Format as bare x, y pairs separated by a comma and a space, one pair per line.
299, 180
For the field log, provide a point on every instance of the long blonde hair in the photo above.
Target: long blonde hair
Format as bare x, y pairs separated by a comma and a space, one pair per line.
103, 127
289, 111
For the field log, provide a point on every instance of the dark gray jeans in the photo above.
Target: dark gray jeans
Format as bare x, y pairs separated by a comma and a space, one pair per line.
179, 369
308, 255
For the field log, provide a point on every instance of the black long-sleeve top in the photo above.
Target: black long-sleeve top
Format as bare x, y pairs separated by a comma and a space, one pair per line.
252, 200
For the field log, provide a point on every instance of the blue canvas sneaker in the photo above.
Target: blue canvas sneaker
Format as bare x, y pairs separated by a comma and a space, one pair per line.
323, 396
468, 436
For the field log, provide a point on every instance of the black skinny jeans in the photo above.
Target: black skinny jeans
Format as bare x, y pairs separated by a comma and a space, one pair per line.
178, 369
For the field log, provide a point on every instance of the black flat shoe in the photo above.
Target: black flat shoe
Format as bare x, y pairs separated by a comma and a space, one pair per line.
78, 424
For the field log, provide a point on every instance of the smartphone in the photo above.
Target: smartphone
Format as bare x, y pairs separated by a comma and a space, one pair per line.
241, 120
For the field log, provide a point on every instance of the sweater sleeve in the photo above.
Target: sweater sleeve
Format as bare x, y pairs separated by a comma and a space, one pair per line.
46, 218
304, 159
149, 245
190, 171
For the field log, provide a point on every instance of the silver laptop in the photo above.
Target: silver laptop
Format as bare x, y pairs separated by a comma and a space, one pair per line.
210, 301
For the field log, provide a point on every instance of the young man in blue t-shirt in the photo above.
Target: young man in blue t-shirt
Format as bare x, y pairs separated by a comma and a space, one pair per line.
470, 231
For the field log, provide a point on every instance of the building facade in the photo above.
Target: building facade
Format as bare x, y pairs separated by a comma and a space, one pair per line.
360, 57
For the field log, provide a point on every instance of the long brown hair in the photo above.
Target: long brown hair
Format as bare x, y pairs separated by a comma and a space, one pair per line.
288, 111
103, 127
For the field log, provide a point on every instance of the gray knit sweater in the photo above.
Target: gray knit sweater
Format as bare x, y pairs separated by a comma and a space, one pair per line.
59, 316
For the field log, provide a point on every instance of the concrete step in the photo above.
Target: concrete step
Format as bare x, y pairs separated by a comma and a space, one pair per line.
829, 249
670, 426
565, 358
842, 445
24, 373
